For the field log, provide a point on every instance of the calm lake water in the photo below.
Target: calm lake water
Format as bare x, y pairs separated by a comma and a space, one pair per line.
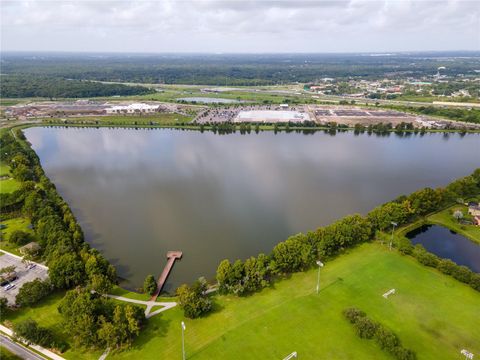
447, 244
140, 193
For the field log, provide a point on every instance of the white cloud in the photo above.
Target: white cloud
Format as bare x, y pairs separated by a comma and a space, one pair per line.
240, 26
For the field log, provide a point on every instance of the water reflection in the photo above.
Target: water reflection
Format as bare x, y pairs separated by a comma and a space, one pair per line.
140, 193
447, 244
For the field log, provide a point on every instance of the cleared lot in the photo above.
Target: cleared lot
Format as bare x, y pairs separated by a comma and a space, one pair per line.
24, 275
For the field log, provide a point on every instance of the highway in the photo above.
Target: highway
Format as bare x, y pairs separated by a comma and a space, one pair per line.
19, 350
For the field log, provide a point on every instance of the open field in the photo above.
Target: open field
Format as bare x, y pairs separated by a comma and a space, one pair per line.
9, 185
291, 317
157, 119
4, 169
12, 225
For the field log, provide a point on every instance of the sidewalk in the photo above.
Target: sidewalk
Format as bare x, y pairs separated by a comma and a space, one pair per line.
40, 349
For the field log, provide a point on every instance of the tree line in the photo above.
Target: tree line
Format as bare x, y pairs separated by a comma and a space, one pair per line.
299, 252
19, 86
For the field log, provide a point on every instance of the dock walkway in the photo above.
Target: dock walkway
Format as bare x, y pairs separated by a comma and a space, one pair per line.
171, 256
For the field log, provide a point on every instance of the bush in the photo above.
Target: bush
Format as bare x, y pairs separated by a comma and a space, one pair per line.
149, 285
19, 237
462, 273
386, 339
193, 300
365, 328
352, 314
404, 246
425, 258
401, 353
31, 292
475, 281
32, 333
446, 266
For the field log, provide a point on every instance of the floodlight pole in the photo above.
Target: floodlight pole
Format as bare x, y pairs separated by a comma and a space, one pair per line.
291, 356
393, 229
183, 340
320, 264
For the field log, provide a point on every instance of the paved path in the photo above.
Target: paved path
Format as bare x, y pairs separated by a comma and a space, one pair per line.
48, 354
149, 304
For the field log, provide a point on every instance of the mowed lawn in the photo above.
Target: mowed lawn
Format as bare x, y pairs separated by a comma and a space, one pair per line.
7, 185
12, 225
434, 315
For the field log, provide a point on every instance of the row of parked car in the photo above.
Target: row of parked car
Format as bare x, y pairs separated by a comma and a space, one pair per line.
8, 279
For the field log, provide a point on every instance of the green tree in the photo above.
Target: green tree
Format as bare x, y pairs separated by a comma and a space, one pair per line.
150, 285
66, 271
30, 331
19, 237
3, 305
224, 276
193, 300
31, 292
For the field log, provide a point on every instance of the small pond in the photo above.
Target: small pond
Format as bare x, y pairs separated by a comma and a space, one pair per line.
446, 243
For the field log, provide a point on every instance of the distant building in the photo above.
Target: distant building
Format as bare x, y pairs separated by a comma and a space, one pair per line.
132, 109
476, 220
474, 210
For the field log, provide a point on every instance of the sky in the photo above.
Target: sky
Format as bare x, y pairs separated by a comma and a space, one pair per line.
232, 26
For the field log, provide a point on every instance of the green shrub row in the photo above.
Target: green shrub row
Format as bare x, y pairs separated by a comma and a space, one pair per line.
384, 337
446, 266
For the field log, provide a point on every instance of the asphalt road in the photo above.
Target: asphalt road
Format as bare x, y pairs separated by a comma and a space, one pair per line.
19, 350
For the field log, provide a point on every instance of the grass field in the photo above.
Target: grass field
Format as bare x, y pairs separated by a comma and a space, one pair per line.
12, 225
446, 219
7, 185
157, 119
4, 169
291, 317
46, 314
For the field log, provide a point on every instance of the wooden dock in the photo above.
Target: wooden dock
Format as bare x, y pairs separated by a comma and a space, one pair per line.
171, 256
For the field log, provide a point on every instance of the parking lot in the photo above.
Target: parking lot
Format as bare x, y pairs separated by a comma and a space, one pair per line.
23, 275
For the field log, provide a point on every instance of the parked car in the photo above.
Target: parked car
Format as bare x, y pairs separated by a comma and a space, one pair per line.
9, 286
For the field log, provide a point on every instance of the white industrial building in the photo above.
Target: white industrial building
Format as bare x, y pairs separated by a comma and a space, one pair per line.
132, 109
271, 116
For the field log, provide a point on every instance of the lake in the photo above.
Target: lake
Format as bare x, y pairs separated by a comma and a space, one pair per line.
447, 244
140, 193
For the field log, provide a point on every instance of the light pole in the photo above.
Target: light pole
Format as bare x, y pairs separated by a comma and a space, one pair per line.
291, 356
183, 340
320, 264
393, 229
